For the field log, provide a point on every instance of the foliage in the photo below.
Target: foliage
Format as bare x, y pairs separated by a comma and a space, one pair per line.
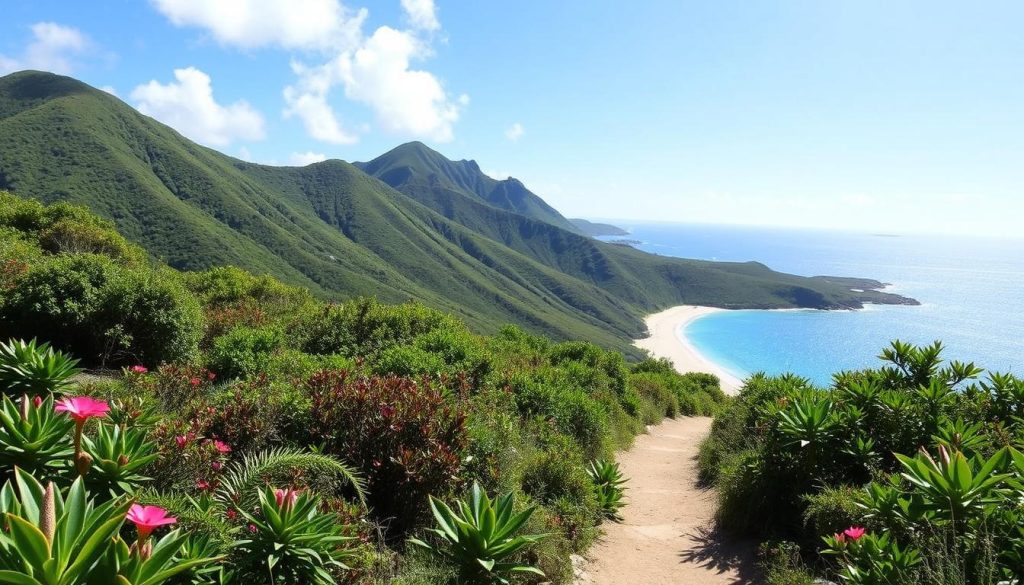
244, 351
480, 537
291, 541
838, 457
608, 481
34, 437
34, 368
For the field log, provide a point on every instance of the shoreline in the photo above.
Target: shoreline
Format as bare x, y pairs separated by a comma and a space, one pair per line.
663, 342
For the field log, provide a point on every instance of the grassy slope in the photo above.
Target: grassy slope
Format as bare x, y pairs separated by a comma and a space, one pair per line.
340, 232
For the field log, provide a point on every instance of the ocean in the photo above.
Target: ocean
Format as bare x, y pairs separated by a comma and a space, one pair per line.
971, 290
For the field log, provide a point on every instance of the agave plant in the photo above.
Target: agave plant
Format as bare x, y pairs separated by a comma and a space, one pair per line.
480, 539
34, 368
33, 437
608, 482
118, 456
954, 488
292, 541
808, 421
871, 559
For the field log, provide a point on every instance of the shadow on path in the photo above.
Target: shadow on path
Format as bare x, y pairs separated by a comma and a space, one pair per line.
721, 553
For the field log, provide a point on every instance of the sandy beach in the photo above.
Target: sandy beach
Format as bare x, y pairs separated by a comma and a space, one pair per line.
663, 342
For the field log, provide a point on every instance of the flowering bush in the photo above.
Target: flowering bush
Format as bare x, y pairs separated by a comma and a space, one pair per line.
408, 438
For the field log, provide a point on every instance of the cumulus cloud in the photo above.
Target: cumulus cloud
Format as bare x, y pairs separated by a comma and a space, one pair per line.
301, 159
376, 70
250, 24
188, 106
515, 132
422, 14
54, 47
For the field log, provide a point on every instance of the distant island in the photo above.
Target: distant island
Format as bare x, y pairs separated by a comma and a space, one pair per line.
594, 229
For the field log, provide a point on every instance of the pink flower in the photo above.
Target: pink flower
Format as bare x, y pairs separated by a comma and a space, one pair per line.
139, 369
286, 497
181, 441
37, 401
387, 411
211, 376
253, 529
82, 408
148, 518
202, 485
195, 382
221, 446
231, 514
854, 532
217, 465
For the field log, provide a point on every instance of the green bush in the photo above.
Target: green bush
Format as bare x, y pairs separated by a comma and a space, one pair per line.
407, 360
244, 351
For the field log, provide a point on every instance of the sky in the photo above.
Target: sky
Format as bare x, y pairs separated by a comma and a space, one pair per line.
896, 116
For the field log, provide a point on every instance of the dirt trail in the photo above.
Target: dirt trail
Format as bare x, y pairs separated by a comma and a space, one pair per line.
667, 535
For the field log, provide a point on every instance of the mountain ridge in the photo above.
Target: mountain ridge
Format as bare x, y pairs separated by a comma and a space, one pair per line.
340, 232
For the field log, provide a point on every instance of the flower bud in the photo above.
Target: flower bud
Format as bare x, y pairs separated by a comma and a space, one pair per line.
83, 462
48, 515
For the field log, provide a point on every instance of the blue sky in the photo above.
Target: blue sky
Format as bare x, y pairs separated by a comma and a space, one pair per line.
897, 116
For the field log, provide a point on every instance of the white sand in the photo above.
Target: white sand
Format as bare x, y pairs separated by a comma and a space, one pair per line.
664, 343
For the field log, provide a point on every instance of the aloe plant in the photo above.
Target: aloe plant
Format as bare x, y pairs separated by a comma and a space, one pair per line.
118, 457
608, 481
955, 488
50, 539
34, 368
33, 437
292, 541
808, 421
480, 538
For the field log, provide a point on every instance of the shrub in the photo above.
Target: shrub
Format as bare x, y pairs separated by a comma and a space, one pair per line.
244, 351
408, 360
92, 307
481, 538
833, 509
654, 390
408, 438
148, 317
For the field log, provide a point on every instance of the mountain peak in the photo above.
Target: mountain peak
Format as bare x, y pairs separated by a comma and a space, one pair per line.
31, 85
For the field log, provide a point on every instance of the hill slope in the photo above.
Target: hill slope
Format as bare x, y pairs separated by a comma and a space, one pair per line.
340, 232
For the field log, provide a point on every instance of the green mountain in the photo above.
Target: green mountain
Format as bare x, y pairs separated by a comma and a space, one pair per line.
595, 229
414, 169
448, 241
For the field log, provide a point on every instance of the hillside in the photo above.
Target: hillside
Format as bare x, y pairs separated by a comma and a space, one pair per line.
451, 242
595, 229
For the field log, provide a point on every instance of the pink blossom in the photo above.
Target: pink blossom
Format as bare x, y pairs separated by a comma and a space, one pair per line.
148, 518
221, 446
854, 532
181, 441
253, 529
286, 497
195, 382
217, 465
202, 485
82, 408
37, 401
211, 376
231, 514
139, 369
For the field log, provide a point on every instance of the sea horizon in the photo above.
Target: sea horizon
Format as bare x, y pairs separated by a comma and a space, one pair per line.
964, 284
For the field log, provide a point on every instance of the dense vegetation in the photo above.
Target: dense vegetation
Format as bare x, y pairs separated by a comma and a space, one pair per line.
910, 473
449, 237
287, 439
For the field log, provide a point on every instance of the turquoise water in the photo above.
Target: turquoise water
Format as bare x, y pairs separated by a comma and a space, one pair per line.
971, 290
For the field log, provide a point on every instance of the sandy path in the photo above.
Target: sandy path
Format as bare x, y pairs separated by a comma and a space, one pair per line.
666, 536
664, 342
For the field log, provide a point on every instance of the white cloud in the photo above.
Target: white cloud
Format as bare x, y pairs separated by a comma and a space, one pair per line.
515, 132
290, 24
422, 14
310, 105
301, 159
375, 70
244, 154
53, 48
189, 107
110, 89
